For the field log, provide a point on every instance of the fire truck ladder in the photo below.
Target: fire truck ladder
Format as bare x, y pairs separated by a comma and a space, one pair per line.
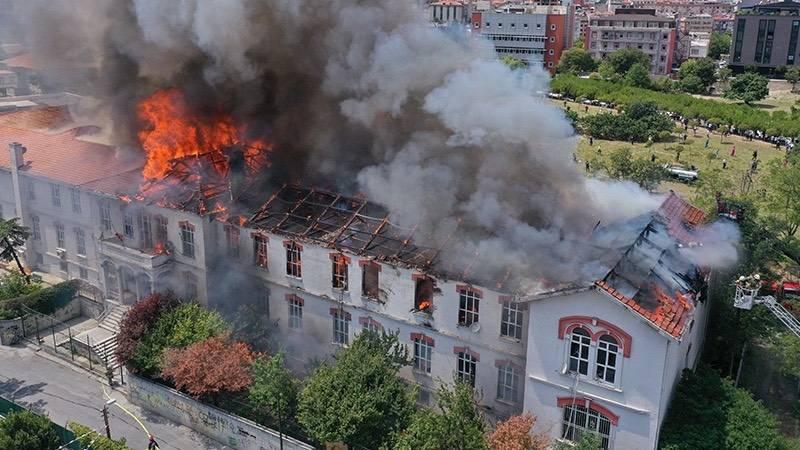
747, 296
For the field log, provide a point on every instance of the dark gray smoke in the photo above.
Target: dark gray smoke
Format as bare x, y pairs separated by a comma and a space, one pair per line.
360, 96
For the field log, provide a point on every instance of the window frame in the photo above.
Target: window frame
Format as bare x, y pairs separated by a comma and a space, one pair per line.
61, 239
36, 230
80, 242
187, 239
232, 241
508, 383
294, 259
105, 216
76, 201
608, 350
128, 229
260, 250
469, 300
341, 327
340, 272
422, 361
296, 304
583, 342
466, 366
511, 319
584, 414
55, 195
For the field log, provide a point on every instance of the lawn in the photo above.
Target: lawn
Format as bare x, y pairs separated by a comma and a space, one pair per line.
777, 100
693, 152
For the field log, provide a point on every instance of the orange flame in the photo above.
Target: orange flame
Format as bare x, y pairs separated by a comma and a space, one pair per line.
171, 131
424, 304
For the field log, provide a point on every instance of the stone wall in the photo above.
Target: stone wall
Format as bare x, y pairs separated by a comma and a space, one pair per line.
11, 331
233, 431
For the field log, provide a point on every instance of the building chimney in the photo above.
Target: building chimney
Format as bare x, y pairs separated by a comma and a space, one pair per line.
17, 151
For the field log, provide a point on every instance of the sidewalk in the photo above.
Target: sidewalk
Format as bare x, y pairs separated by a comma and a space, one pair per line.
46, 384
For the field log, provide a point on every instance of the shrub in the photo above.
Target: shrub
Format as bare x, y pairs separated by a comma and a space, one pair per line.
515, 434
210, 367
138, 321
25, 430
640, 121
177, 328
87, 438
44, 301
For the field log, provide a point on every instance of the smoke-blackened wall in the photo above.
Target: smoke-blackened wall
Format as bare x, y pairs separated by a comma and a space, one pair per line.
360, 96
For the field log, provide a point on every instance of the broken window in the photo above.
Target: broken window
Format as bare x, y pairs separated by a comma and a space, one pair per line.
146, 230
232, 240
260, 250
161, 230
339, 272
294, 262
370, 282
187, 239
468, 306
423, 295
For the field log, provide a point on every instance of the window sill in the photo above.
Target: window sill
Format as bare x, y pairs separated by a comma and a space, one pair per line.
420, 372
592, 381
510, 339
371, 299
503, 401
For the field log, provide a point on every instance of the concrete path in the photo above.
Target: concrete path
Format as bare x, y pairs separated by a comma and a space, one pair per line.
47, 384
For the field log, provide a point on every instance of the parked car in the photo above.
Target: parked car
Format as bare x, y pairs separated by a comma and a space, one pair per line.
681, 173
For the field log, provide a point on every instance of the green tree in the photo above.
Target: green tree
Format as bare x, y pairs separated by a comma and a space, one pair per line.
787, 347
587, 441
621, 61
720, 44
638, 122
709, 412
576, 60
359, 400
748, 87
513, 63
713, 182
783, 194
14, 284
621, 165
12, 236
87, 437
274, 391
638, 76
697, 75
184, 325
793, 76
25, 430
459, 425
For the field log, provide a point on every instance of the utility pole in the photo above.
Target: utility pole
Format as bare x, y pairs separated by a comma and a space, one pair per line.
105, 416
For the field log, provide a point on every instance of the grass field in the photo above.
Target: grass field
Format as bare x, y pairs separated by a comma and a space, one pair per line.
781, 100
693, 152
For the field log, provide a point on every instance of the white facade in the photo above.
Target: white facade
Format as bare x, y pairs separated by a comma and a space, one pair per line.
636, 403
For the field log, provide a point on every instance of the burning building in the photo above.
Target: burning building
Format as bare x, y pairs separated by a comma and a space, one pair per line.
366, 185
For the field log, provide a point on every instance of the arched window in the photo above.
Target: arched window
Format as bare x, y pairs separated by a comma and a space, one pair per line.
607, 353
579, 351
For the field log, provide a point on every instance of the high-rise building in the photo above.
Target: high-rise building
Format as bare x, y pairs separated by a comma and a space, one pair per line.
766, 36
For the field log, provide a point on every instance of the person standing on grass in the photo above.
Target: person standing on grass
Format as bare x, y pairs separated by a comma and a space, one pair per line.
724, 163
591, 141
733, 151
653, 157
755, 154
708, 139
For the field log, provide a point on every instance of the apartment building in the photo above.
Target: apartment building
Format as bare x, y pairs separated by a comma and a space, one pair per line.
447, 12
634, 28
536, 34
600, 354
765, 35
685, 8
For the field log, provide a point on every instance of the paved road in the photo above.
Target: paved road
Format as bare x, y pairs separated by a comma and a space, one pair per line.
47, 384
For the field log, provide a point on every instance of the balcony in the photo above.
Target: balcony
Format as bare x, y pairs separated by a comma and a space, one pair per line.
144, 259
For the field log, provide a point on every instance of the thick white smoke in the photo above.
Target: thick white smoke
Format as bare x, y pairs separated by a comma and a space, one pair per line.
364, 96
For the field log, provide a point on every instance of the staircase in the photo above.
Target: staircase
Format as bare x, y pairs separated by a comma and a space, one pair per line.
105, 349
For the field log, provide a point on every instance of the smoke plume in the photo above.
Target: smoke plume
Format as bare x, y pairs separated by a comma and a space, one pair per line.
360, 96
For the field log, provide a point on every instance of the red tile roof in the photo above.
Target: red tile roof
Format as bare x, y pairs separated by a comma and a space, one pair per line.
61, 156
671, 314
680, 217
25, 61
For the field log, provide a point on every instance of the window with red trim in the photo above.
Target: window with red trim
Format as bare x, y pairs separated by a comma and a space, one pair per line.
339, 272
294, 262
466, 367
260, 250
423, 353
468, 306
370, 281
578, 420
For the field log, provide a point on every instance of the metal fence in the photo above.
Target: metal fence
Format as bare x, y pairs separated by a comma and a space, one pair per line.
67, 437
